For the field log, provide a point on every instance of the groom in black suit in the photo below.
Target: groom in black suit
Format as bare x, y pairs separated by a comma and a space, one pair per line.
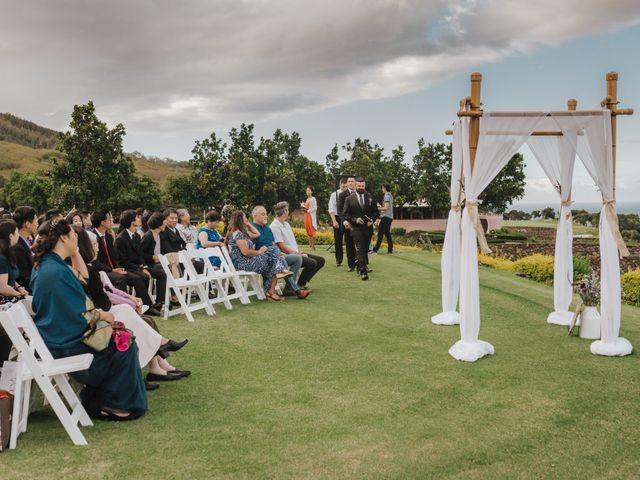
360, 210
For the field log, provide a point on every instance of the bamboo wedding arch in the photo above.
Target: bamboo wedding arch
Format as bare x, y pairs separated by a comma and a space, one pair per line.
588, 134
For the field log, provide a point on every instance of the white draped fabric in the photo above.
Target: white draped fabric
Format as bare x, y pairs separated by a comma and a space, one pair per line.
500, 138
450, 260
556, 155
594, 149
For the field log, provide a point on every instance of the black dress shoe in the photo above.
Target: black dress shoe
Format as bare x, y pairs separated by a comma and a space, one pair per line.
171, 346
181, 373
364, 276
338, 264
153, 312
154, 377
351, 269
150, 386
369, 270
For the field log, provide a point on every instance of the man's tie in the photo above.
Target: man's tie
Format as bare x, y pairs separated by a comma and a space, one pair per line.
361, 197
106, 250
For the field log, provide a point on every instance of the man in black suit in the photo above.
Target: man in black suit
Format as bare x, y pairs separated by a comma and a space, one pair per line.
26, 219
171, 240
128, 245
109, 261
351, 250
360, 210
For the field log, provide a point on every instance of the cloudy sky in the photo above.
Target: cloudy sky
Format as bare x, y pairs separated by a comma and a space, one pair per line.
391, 71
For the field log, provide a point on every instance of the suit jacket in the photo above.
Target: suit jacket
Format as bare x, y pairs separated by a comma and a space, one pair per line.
352, 209
129, 250
340, 202
102, 262
24, 262
171, 241
147, 247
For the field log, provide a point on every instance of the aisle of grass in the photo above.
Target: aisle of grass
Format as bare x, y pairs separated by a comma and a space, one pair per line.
356, 382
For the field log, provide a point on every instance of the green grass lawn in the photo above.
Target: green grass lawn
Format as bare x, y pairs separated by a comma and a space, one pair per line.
356, 382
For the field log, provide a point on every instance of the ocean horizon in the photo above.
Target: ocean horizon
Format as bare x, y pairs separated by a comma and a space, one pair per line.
592, 207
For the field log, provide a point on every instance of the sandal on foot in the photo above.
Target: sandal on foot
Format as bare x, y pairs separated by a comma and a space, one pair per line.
274, 297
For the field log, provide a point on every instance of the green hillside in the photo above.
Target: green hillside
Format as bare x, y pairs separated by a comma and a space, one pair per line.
28, 147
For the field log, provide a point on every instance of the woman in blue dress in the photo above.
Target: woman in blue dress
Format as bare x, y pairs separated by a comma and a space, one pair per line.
267, 261
208, 235
114, 387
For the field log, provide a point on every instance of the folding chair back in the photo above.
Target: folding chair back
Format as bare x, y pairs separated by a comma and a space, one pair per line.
183, 286
35, 362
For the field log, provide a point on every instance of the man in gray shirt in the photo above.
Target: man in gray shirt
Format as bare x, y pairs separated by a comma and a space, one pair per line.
386, 217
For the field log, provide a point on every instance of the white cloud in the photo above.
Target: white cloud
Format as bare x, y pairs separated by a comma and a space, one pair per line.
176, 66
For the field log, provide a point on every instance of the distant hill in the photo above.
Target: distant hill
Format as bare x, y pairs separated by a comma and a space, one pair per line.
23, 132
28, 147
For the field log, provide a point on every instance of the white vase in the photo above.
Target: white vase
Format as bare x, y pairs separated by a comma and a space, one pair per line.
590, 323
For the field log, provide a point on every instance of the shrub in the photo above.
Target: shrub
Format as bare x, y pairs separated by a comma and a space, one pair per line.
398, 231
497, 263
630, 283
631, 235
322, 238
536, 267
581, 267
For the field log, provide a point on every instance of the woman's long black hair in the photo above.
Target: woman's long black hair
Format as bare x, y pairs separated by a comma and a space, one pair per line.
7, 228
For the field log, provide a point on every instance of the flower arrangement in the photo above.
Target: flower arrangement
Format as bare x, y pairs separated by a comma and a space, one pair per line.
589, 290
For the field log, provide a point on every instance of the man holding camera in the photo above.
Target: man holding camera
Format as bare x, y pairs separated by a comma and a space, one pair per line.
360, 210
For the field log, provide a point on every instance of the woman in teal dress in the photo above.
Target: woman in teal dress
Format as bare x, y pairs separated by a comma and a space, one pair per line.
208, 235
114, 386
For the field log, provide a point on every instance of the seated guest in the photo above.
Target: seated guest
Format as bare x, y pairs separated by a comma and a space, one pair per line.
53, 214
114, 387
144, 216
208, 236
294, 261
74, 218
27, 222
188, 232
129, 247
152, 347
150, 245
286, 241
10, 289
265, 261
109, 261
171, 241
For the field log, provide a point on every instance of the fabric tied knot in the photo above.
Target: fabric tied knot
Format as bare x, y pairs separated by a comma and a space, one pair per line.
612, 219
472, 208
567, 204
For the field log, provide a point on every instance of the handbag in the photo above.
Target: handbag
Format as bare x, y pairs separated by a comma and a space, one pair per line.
98, 332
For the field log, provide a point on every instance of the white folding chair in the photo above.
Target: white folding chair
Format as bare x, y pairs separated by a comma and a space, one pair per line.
35, 362
217, 279
183, 287
246, 278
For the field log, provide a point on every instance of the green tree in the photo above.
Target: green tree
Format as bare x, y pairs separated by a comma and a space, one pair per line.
400, 176
95, 172
33, 189
432, 169
507, 187
142, 191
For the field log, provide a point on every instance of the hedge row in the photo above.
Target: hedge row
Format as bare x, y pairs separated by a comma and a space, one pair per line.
540, 268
